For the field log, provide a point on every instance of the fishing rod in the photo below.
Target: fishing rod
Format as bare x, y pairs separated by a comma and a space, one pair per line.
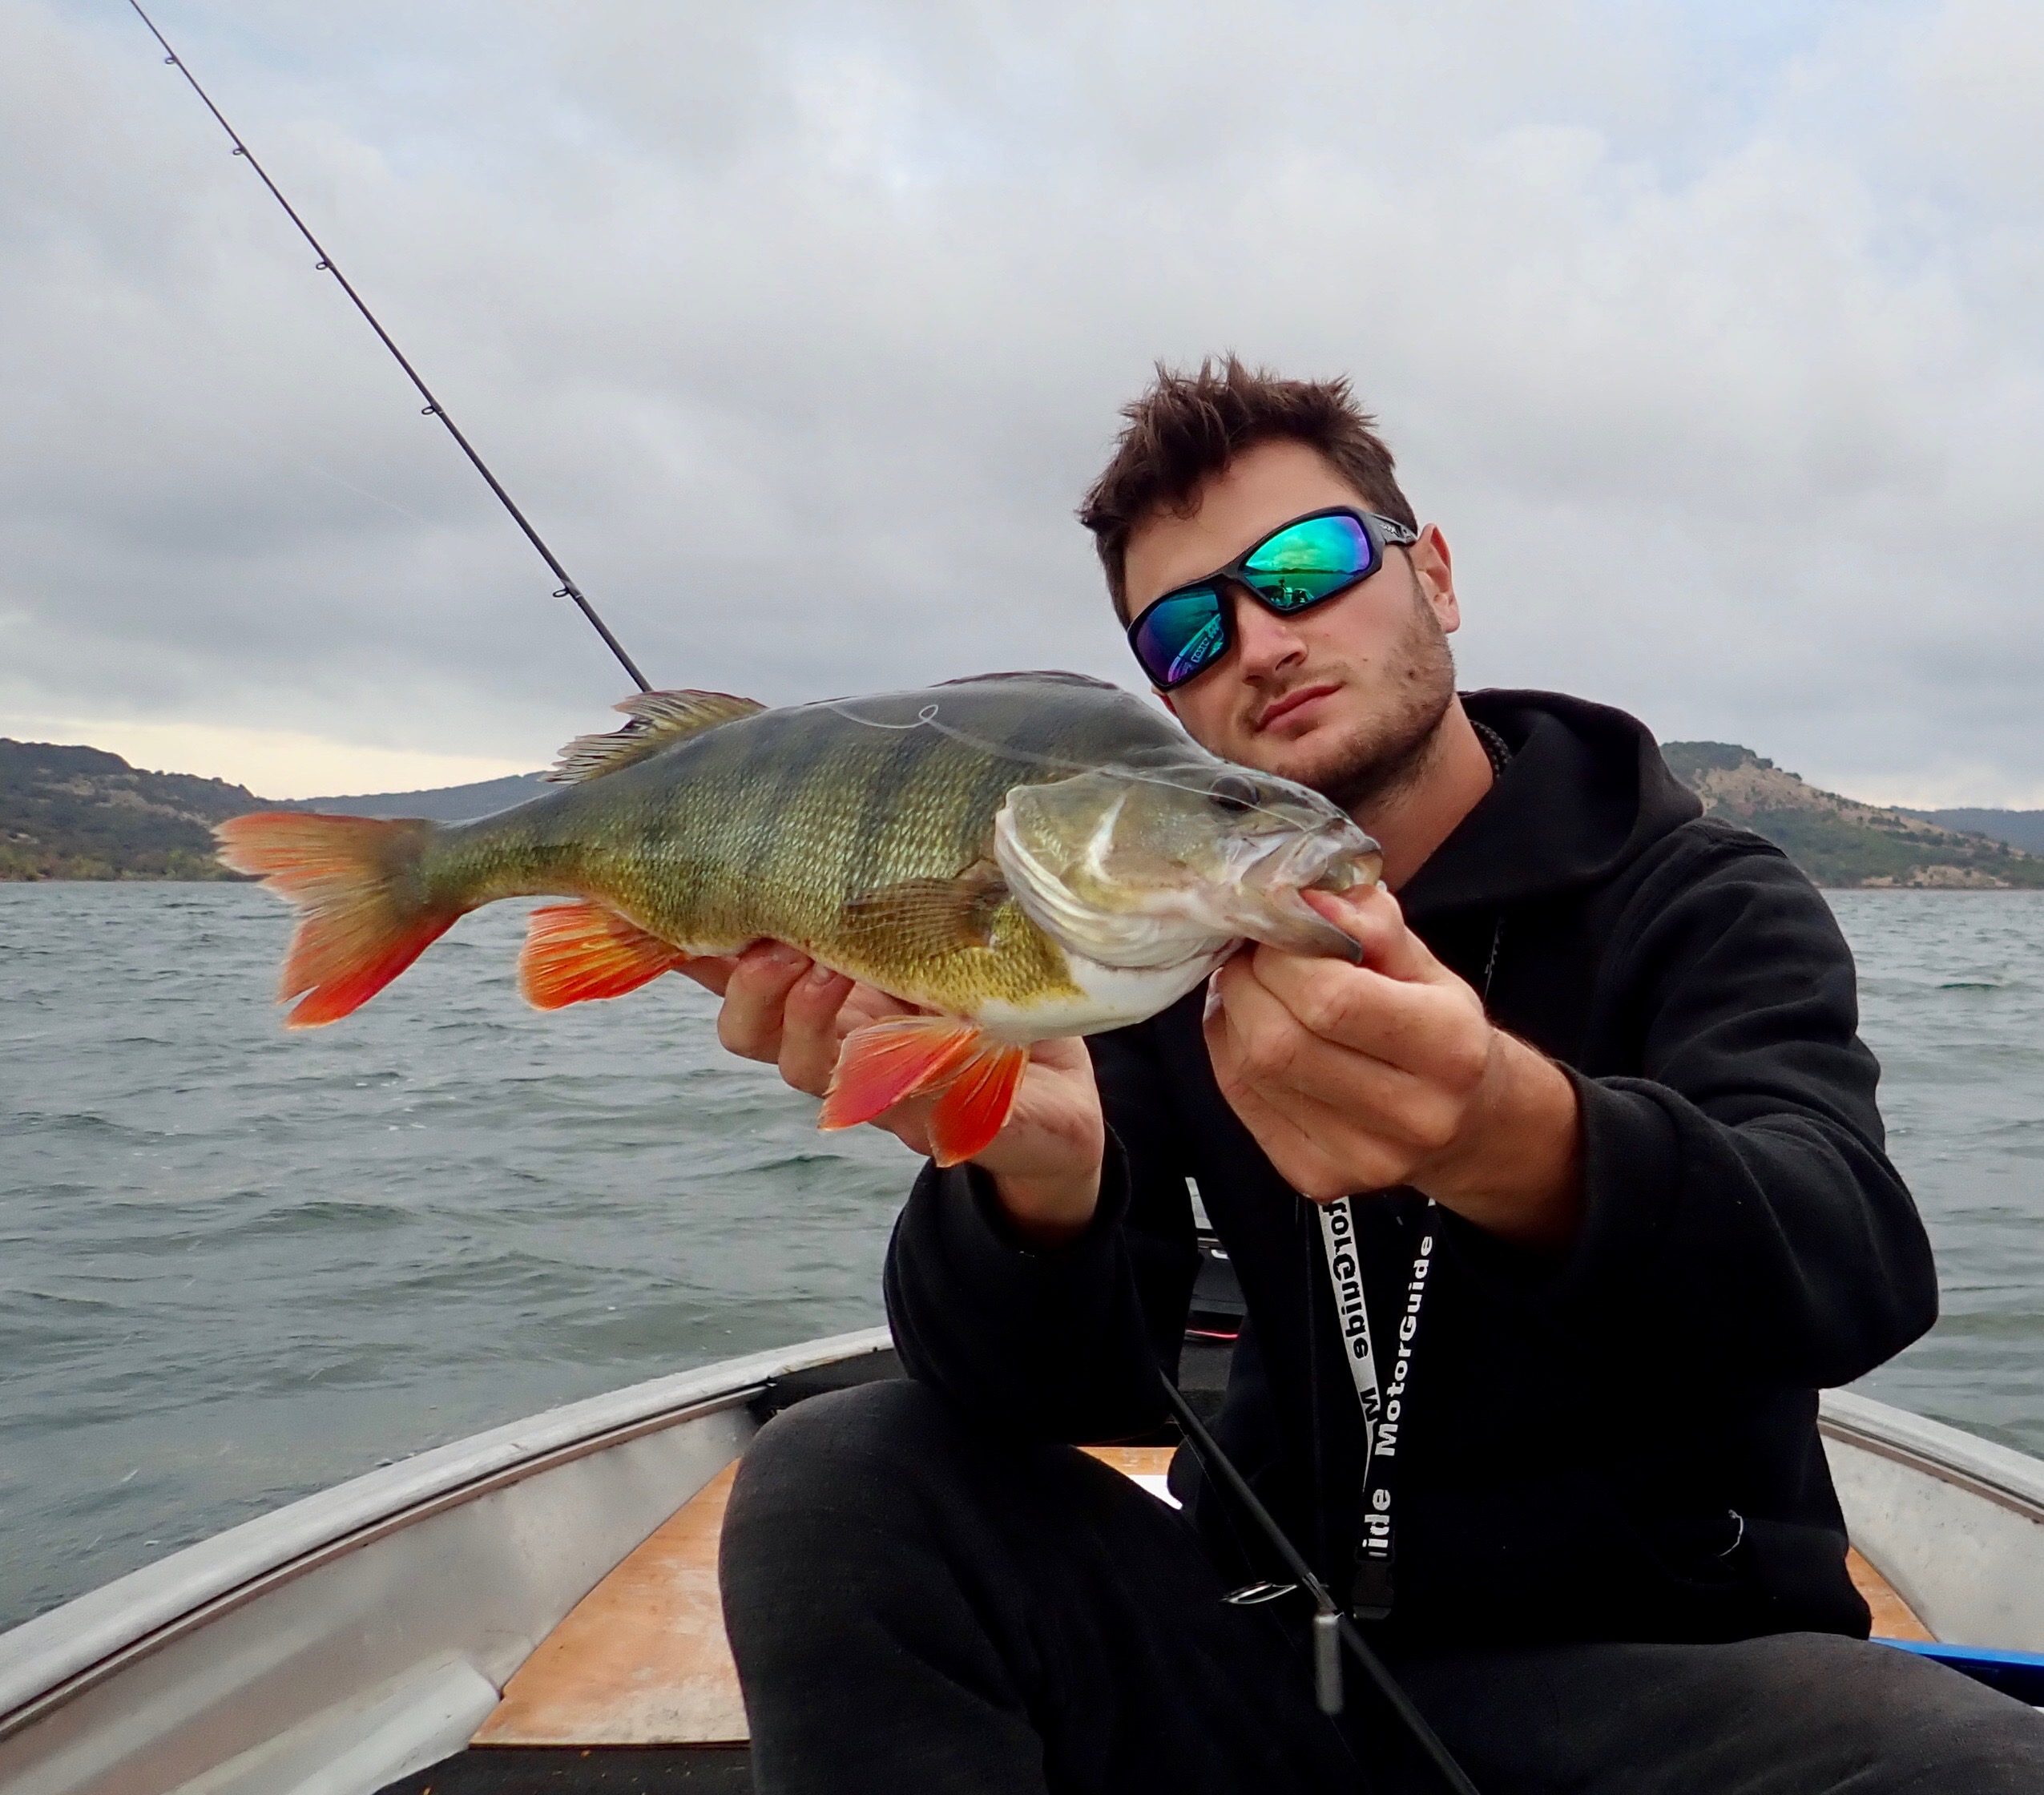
1332, 1629
326, 264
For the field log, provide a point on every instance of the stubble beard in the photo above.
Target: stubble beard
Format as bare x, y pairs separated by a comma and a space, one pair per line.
1393, 747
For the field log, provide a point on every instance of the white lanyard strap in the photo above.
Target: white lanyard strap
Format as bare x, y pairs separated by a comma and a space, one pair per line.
1344, 1271
1384, 1409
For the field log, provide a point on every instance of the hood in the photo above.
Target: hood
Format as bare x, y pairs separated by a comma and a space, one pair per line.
1586, 793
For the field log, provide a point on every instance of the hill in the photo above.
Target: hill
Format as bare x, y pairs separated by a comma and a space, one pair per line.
68, 813
82, 814
2020, 828
1838, 841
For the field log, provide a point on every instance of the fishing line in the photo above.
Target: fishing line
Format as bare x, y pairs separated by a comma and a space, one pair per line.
326, 264
927, 718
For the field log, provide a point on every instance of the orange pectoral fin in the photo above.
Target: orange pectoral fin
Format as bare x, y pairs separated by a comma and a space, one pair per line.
975, 1108
882, 1063
575, 952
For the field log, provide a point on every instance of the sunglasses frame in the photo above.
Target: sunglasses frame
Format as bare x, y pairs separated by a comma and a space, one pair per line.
1381, 533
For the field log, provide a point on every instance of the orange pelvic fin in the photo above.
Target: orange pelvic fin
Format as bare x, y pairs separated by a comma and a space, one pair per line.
575, 952
362, 917
975, 1108
909, 1056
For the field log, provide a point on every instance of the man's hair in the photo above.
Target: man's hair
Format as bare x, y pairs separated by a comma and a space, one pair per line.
1189, 426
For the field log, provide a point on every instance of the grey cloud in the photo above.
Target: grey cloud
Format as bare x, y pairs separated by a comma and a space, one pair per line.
801, 328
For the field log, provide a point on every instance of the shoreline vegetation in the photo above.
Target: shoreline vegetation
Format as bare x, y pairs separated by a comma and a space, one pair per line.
69, 812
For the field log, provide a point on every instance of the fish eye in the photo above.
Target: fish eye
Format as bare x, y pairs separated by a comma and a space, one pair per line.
1232, 792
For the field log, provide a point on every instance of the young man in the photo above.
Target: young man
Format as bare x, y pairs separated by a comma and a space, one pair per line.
1569, 1199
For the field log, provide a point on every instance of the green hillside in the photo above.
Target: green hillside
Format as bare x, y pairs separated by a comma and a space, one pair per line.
82, 813
2020, 828
1838, 841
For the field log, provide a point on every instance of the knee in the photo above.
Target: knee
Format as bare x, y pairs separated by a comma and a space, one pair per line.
829, 1494
1920, 1726
845, 1459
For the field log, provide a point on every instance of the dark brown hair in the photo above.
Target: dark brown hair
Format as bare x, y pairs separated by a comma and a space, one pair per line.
1189, 426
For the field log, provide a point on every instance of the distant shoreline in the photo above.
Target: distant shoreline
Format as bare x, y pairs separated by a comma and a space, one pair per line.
79, 815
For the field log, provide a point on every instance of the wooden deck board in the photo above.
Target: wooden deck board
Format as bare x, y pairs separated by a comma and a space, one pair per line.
1893, 1619
643, 1660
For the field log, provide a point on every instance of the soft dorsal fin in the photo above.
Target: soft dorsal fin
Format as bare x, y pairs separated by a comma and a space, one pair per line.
658, 719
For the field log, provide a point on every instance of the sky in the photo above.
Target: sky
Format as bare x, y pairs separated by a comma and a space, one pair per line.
1708, 333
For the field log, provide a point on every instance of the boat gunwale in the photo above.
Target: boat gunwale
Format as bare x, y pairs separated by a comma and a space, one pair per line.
56, 1657
1998, 1474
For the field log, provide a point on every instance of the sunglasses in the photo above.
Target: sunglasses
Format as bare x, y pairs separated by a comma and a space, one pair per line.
1297, 565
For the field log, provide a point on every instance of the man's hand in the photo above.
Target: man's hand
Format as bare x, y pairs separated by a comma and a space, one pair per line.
1357, 1078
781, 1007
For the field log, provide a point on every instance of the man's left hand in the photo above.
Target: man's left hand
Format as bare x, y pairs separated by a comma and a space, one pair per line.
1356, 1079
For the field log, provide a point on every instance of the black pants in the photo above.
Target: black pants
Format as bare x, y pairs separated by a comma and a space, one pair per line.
917, 1609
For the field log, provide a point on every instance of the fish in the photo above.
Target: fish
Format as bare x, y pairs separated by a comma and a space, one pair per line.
1021, 856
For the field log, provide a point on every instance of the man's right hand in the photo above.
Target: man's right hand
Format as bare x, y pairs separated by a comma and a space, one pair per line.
781, 1007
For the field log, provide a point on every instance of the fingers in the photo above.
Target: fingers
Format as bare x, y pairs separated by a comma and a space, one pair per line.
1431, 1025
1256, 1039
712, 971
750, 1023
1283, 1131
782, 1008
1351, 1007
1329, 1149
1371, 918
810, 1036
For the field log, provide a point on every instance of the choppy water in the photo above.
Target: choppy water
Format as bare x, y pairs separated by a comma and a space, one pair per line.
236, 1265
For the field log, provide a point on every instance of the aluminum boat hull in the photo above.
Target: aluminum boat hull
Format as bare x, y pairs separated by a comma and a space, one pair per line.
364, 1633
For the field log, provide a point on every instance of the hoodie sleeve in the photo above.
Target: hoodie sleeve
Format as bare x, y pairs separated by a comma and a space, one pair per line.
1056, 1344
1740, 1210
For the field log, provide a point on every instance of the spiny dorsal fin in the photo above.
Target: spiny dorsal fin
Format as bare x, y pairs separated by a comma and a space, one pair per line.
658, 719
933, 916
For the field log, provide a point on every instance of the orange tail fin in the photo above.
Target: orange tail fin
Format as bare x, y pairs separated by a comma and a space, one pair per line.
911, 1056
355, 883
574, 952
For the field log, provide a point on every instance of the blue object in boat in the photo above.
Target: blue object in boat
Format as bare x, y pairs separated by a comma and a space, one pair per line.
2020, 1674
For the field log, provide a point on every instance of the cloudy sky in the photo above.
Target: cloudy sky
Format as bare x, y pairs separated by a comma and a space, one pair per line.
1709, 332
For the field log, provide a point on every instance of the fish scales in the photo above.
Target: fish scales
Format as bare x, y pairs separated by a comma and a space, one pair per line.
1026, 855
772, 824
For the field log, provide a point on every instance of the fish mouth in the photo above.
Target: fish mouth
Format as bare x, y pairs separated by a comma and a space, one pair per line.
1339, 858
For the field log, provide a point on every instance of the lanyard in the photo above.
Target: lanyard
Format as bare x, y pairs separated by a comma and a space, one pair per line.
1384, 1410
1383, 1403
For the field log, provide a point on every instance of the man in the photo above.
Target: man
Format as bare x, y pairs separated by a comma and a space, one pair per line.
1569, 1199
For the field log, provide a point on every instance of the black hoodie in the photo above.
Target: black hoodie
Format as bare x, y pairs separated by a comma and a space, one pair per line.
1620, 1444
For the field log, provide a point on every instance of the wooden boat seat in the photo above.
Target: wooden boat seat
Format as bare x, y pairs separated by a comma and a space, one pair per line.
643, 1660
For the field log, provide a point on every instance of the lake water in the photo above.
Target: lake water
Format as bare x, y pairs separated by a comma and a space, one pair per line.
237, 1265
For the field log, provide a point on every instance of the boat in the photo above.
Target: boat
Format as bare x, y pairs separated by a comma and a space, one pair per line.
535, 1607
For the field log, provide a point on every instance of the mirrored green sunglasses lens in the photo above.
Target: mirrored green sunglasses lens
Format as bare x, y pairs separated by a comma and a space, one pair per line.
1180, 634
1312, 560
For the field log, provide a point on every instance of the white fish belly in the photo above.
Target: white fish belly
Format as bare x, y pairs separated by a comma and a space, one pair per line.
1109, 997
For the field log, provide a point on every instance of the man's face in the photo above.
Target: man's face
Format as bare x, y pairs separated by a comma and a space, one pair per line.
1346, 697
